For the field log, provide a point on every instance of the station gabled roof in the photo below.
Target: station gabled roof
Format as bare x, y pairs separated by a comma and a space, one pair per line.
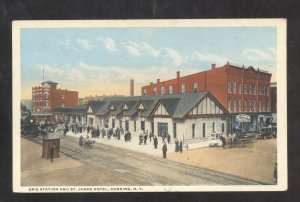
177, 105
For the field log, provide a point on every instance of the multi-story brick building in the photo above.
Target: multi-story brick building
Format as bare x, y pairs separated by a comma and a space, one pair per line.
47, 97
239, 89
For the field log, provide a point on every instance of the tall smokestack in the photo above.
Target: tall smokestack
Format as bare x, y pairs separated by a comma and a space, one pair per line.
131, 87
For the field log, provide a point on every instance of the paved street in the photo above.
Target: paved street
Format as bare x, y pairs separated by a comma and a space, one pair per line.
109, 165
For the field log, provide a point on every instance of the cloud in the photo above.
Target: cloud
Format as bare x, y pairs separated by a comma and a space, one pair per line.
149, 49
108, 43
52, 70
210, 58
174, 55
140, 48
132, 48
85, 44
67, 45
259, 55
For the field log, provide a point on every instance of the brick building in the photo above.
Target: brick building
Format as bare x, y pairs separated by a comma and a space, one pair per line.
47, 97
239, 89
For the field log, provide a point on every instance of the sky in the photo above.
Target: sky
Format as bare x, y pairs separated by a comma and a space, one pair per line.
101, 61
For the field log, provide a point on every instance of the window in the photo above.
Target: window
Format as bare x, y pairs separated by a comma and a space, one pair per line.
263, 106
162, 129
195, 87
245, 105
254, 89
154, 91
254, 105
240, 88
229, 105
183, 88
213, 127
250, 89
134, 126
171, 89
203, 129
234, 87
240, 105
245, 88
46, 96
162, 90
234, 105
145, 91
259, 105
263, 90
250, 105
174, 130
267, 90
267, 102
126, 125
229, 86
142, 125
193, 130
259, 89
113, 123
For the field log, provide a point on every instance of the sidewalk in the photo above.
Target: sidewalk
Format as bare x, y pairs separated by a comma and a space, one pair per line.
132, 145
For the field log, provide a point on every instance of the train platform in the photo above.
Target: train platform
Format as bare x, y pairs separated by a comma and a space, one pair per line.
133, 144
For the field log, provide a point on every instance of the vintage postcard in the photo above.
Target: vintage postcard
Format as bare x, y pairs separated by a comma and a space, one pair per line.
149, 105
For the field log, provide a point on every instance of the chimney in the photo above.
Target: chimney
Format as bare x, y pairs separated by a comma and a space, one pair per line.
131, 87
178, 74
213, 66
158, 80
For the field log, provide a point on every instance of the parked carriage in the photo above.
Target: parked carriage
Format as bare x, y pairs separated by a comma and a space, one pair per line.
242, 140
86, 143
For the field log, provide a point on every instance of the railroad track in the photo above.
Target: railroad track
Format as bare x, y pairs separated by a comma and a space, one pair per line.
130, 166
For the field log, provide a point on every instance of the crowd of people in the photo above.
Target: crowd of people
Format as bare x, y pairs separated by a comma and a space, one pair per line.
117, 133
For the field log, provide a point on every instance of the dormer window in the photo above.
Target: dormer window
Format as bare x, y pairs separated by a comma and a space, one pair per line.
141, 107
125, 107
112, 108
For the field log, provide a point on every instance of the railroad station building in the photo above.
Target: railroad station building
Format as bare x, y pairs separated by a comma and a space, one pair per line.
240, 89
189, 116
47, 97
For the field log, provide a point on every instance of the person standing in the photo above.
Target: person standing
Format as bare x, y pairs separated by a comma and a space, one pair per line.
155, 142
169, 138
176, 145
223, 141
180, 146
164, 149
